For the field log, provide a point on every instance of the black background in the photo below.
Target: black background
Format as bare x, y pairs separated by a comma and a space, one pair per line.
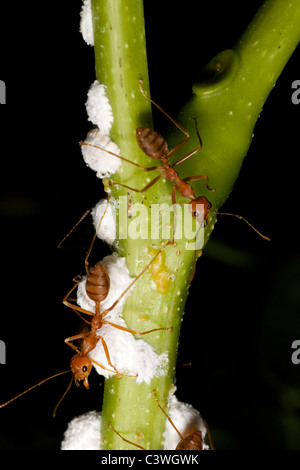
240, 319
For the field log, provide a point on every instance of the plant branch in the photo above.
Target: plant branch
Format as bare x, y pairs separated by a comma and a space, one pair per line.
231, 92
227, 101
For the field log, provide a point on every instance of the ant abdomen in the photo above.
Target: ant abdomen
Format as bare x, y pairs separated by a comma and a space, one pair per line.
193, 441
151, 142
97, 283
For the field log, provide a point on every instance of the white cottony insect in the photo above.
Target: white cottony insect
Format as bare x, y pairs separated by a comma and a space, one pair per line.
83, 432
86, 22
127, 354
100, 161
98, 108
186, 418
107, 230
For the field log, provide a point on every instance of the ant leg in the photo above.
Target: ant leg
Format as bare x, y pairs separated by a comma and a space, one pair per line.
69, 340
209, 435
108, 357
151, 168
67, 300
186, 157
123, 438
107, 354
168, 417
169, 117
178, 146
78, 309
130, 285
108, 370
75, 307
133, 331
109, 361
194, 178
134, 189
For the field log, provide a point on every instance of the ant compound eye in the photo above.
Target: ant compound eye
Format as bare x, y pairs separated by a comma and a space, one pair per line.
84, 369
196, 214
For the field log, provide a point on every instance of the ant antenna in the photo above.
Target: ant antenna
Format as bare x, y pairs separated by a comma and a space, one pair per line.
61, 399
242, 218
73, 228
34, 386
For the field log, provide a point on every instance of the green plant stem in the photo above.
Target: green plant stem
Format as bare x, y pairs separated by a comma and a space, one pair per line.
120, 62
231, 91
227, 102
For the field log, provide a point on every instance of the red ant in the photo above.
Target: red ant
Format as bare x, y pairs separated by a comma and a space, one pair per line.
97, 287
155, 146
192, 441
81, 366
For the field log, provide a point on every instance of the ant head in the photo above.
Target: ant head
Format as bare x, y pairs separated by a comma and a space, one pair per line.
81, 367
196, 210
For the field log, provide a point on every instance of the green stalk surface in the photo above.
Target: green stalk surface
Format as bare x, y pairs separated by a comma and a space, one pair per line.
227, 100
